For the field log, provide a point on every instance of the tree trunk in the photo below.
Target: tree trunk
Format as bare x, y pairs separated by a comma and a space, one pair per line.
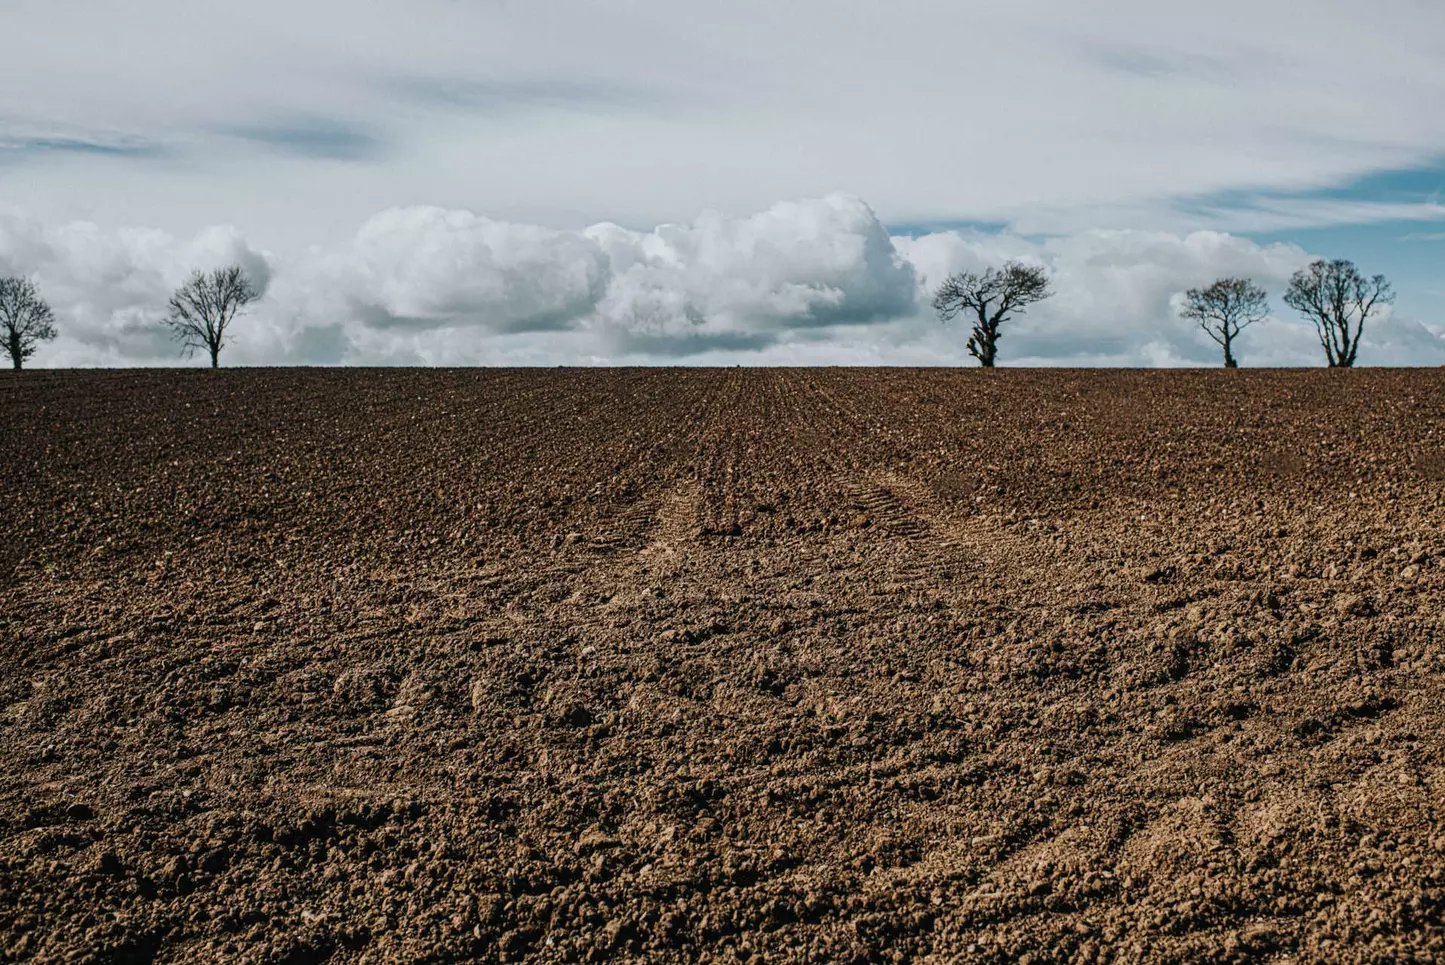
986, 351
1229, 360
215, 358
16, 356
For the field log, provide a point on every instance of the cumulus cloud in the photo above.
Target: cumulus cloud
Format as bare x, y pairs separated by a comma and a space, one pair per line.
431, 268
1116, 294
417, 279
109, 289
743, 283
817, 281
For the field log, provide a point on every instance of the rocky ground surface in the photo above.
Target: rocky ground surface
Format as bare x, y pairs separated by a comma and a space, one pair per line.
722, 665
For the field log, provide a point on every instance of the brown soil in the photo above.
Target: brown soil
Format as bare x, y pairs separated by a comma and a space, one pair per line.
701, 665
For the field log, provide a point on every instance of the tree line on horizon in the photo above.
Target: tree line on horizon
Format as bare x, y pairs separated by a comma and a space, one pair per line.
200, 313
1333, 295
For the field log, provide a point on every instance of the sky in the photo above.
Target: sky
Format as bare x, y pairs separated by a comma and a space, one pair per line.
435, 182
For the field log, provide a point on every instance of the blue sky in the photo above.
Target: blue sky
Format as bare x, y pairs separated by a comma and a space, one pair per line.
1404, 252
1410, 253
446, 160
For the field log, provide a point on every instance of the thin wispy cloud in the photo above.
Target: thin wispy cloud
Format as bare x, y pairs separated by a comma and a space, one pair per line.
1276, 214
520, 94
633, 113
325, 139
25, 142
48, 146
1154, 63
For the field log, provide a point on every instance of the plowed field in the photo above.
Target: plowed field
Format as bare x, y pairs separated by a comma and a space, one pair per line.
722, 665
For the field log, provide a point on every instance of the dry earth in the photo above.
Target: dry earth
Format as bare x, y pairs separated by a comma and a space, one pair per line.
722, 665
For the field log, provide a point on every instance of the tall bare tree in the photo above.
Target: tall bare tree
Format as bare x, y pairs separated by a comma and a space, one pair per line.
25, 319
1224, 309
992, 297
204, 307
1339, 300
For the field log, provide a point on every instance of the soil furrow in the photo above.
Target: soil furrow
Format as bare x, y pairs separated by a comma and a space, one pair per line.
722, 665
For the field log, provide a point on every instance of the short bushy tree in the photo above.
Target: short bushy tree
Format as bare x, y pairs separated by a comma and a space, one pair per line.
204, 307
992, 298
1224, 309
1338, 300
25, 319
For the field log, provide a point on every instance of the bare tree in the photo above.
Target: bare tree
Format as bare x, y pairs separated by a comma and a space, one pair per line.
204, 307
25, 319
993, 297
1339, 300
1224, 309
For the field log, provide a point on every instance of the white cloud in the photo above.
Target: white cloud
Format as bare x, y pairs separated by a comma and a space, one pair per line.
1113, 291
743, 282
1280, 214
431, 268
109, 289
802, 282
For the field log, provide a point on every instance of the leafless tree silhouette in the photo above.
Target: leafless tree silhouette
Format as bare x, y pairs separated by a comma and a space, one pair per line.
25, 319
1339, 300
204, 307
1224, 309
993, 297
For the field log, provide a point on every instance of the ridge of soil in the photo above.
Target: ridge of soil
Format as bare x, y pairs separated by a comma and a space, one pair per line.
678, 665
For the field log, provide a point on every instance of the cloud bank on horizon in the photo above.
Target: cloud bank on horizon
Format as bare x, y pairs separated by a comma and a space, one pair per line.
1134, 150
807, 282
